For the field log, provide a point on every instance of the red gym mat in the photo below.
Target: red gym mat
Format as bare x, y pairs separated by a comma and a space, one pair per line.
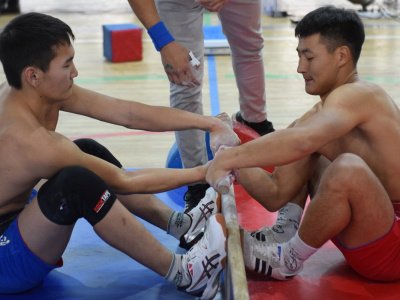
325, 275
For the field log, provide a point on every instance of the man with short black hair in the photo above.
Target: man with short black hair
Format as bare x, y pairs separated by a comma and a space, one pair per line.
343, 153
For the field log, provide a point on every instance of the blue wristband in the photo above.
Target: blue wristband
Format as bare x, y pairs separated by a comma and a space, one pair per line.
160, 35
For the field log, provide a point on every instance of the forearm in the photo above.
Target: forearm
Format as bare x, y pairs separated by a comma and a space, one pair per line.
146, 11
159, 118
160, 180
266, 151
275, 149
135, 115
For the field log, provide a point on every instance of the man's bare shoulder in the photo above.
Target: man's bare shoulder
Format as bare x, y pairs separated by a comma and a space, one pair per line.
359, 98
359, 90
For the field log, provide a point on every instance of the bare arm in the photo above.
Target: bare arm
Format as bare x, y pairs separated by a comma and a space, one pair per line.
274, 190
336, 118
61, 152
136, 115
146, 11
174, 57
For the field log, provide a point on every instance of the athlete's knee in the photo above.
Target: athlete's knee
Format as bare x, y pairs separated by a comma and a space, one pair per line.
349, 164
345, 169
94, 148
73, 193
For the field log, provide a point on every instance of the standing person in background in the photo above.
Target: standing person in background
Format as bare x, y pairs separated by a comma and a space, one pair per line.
241, 22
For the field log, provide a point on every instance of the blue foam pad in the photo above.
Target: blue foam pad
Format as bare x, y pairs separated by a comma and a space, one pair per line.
174, 158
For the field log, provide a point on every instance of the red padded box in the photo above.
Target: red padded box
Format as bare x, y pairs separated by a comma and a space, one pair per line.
122, 42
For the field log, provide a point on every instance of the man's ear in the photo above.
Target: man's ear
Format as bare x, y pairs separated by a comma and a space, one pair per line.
344, 55
32, 76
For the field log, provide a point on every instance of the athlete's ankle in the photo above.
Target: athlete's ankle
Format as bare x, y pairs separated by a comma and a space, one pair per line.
287, 222
176, 272
296, 252
178, 224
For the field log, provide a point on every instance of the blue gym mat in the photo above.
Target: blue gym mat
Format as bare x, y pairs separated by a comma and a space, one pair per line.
93, 270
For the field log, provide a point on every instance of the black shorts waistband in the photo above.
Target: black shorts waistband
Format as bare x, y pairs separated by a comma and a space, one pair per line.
5, 220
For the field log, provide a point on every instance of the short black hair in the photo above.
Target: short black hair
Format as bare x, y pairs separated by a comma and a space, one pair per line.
31, 40
337, 27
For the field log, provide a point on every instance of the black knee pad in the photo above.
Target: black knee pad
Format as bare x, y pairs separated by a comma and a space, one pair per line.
94, 148
73, 193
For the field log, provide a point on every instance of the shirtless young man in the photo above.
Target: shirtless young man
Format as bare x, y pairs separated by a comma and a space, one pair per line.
345, 149
83, 178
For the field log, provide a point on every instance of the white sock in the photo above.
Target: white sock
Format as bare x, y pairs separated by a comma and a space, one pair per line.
295, 252
178, 224
175, 273
287, 222
300, 248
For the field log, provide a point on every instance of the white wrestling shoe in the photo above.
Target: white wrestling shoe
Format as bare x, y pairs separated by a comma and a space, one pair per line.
264, 234
283, 230
275, 234
204, 262
269, 259
208, 206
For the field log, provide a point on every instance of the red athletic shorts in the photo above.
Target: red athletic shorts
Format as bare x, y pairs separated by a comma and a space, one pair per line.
378, 260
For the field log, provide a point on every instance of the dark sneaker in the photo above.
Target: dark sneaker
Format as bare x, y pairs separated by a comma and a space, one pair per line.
194, 194
204, 262
261, 128
208, 206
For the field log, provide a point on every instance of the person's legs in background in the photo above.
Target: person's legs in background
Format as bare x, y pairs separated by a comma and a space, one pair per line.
184, 19
241, 23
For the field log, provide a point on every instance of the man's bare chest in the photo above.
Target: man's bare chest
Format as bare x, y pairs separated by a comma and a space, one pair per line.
353, 142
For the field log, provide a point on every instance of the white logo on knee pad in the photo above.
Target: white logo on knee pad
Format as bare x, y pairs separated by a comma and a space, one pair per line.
103, 199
